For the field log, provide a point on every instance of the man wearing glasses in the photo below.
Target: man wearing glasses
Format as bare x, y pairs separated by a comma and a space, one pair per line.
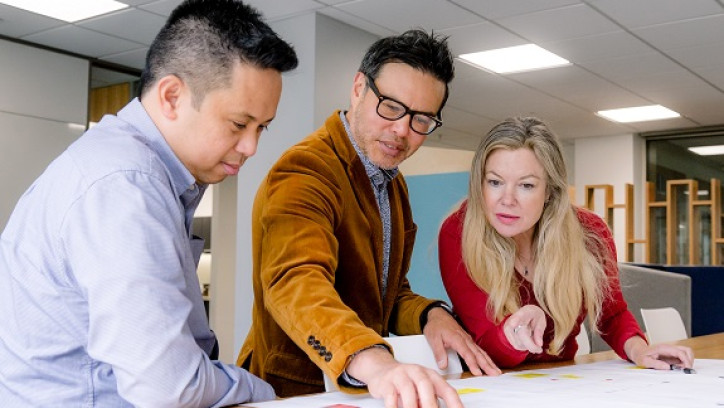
332, 236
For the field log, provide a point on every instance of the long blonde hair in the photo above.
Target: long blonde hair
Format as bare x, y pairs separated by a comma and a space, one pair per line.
570, 260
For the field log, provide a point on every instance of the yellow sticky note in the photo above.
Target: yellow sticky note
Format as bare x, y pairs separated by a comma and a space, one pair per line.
531, 375
462, 391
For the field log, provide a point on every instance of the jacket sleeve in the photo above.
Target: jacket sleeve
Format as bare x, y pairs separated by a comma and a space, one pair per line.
469, 301
616, 323
302, 207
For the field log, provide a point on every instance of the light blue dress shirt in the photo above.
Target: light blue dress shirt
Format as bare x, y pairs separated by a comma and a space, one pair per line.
99, 300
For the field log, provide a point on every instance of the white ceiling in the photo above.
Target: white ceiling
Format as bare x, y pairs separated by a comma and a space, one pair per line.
624, 53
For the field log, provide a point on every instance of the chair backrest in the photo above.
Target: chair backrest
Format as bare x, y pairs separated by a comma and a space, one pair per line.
414, 350
648, 288
584, 343
663, 325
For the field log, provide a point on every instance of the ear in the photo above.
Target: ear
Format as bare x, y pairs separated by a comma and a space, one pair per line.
170, 91
359, 85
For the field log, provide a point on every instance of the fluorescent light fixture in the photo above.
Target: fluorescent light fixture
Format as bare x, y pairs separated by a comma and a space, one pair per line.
67, 10
515, 59
638, 114
714, 150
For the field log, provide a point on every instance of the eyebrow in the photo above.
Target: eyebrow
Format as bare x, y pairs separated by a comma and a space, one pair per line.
520, 178
247, 116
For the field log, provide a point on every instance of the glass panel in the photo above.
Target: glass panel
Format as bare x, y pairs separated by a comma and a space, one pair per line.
657, 252
680, 210
702, 232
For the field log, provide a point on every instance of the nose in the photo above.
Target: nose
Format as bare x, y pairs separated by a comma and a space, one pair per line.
248, 143
509, 197
401, 126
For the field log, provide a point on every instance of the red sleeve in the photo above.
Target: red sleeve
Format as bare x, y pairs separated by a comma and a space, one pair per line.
469, 302
616, 324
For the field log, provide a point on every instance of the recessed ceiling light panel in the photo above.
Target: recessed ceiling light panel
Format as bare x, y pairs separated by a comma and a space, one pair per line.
520, 58
638, 114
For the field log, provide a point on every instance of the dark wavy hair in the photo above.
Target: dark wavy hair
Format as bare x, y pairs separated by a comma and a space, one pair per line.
423, 51
203, 39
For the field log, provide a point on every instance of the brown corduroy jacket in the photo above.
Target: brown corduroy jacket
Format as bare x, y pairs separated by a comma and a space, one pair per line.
317, 254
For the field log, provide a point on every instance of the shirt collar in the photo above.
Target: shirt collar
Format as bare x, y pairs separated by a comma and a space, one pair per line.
180, 176
378, 175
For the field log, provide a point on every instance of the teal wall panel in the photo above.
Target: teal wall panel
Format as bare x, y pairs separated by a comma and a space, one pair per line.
432, 198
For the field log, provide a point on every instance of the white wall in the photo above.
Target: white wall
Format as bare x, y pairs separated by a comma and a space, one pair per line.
436, 160
614, 160
43, 109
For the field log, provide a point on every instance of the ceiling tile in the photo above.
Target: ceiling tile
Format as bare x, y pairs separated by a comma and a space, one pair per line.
620, 70
494, 9
665, 124
81, 41
684, 33
163, 7
144, 29
480, 37
713, 75
355, 21
332, 2
701, 56
402, 15
580, 88
640, 13
282, 8
598, 47
134, 58
137, 2
559, 24
465, 121
17, 23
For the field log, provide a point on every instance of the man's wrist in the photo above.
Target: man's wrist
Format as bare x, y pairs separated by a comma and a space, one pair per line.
426, 311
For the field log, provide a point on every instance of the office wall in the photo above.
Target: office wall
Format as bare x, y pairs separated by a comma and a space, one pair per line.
43, 108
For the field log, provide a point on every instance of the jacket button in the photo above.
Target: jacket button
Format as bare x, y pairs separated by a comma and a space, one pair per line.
322, 351
310, 340
328, 357
316, 345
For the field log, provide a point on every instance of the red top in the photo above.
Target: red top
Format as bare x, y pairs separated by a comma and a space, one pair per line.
616, 324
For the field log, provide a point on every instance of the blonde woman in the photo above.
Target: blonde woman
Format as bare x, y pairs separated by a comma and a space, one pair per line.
524, 268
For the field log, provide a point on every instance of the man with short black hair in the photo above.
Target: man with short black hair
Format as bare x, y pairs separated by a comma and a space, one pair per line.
99, 302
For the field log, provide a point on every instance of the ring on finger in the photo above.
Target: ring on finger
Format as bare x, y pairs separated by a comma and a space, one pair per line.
517, 328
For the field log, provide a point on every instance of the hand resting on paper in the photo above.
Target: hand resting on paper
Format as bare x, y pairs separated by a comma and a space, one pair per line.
659, 356
402, 385
442, 331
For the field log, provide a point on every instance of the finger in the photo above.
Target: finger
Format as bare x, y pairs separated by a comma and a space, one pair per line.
538, 330
438, 350
655, 363
447, 393
391, 398
683, 354
526, 340
469, 352
407, 392
425, 393
486, 364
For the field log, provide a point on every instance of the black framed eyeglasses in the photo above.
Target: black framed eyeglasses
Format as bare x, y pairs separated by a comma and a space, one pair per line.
390, 109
